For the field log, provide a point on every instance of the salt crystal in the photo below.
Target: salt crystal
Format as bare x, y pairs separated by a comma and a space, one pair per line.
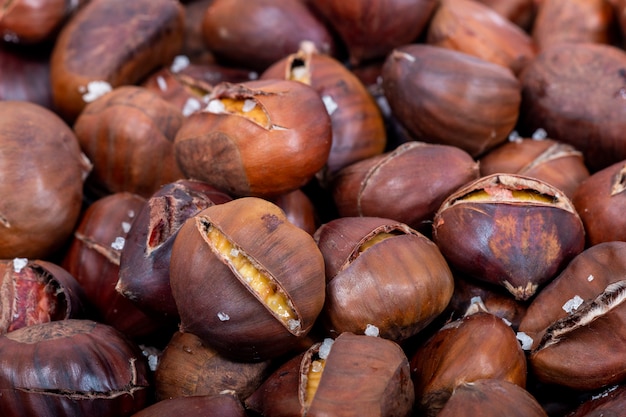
234, 252
508, 323
293, 325
10, 37
476, 299
153, 362
605, 393
95, 90
248, 105
223, 316
19, 264
253, 75
180, 63
515, 137
590, 278
125, 227
131, 213
191, 106
325, 347
572, 304
527, 341
330, 104
540, 134
371, 330
118, 243
215, 106
161, 83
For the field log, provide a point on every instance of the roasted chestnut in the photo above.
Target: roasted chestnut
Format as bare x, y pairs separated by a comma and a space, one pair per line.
510, 230
25, 75
245, 280
520, 12
382, 277
261, 138
71, 368
43, 171
218, 405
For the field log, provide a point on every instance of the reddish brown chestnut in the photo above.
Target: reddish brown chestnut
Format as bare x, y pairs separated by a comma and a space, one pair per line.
219, 405
35, 292
43, 171
299, 209
144, 274
25, 75
510, 230
382, 276
71, 368
520, 12
88, 60
448, 97
246, 281
261, 138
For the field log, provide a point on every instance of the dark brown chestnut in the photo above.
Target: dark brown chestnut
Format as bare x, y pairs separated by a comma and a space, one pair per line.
35, 291
144, 272
25, 75
71, 368
219, 405
382, 277
88, 60
261, 138
452, 98
245, 280
510, 230
256, 34
407, 184
43, 172
610, 402
299, 209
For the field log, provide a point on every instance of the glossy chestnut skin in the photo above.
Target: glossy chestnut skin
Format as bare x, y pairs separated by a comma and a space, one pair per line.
398, 284
575, 321
93, 258
43, 171
556, 98
299, 209
407, 184
473, 28
609, 402
371, 29
477, 346
451, 98
600, 202
84, 368
189, 367
218, 405
548, 160
150, 30
34, 292
510, 230
216, 301
491, 398
380, 366
25, 75
256, 34
358, 128
575, 21
129, 135
144, 263
260, 138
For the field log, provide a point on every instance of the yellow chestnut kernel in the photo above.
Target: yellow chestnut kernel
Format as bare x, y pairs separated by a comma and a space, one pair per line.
263, 286
299, 71
248, 108
492, 194
374, 240
314, 376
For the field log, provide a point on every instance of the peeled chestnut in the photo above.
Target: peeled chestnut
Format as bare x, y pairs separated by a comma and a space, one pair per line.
34, 292
144, 262
510, 230
600, 202
43, 172
245, 280
260, 138
452, 98
574, 324
382, 276
129, 134
477, 346
88, 58
322, 381
476, 29
71, 368
407, 184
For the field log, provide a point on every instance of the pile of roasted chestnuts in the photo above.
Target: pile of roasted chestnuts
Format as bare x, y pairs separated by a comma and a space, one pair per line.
290, 208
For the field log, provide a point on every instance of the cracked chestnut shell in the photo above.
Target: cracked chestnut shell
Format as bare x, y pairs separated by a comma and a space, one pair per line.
245, 280
144, 261
381, 273
69, 368
600, 201
452, 98
261, 138
510, 230
577, 321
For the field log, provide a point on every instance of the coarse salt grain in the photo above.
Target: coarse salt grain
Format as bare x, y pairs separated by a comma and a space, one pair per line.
215, 106
325, 347
180, 63
161, 83
527, 341
330, 104
572, 304
191, 106
371, 330
19, 264
540, 134
248, 105
223, 316
94, 90
118, 243
293, 325
515, 137
590, 278
125, 227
